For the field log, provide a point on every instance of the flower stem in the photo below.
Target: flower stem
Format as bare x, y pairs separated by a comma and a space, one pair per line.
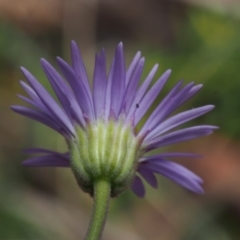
102, 191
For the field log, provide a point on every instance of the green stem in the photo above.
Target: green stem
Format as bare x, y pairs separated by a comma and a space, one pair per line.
102, 191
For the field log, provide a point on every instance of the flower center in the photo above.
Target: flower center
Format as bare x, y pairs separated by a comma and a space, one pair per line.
105, 150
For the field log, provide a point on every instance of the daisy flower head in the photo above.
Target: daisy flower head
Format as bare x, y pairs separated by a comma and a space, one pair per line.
99, 122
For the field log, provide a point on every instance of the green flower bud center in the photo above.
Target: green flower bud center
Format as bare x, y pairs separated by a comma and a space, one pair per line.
105, 150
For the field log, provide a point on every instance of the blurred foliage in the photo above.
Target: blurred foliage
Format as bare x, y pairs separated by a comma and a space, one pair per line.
207, 51
15, 227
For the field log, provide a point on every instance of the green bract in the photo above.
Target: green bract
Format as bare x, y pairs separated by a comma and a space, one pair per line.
106, 150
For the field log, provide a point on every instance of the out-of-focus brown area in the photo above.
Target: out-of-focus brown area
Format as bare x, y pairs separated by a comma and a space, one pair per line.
33, 16
219, 167
198, 40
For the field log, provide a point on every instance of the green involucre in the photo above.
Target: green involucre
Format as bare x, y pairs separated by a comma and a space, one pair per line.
105, 150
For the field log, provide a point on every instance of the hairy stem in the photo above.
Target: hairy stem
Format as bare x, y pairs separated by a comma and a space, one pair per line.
102, 192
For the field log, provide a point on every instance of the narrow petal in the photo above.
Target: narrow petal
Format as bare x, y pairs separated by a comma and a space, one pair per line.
78, 65
170, 154
193, 91
38, 106
177, 173
151, 96
99, 83
33, 103
166, 103
46, 161
132, 67
31, 93
107, 107
177, 120
51, 159
118, 84
54, 78
172, 166
46, 151
78, 87
141, 92
64, 93
49, 102
148, 176
40, 117
179, 99
133, 84
180, 136
138, 187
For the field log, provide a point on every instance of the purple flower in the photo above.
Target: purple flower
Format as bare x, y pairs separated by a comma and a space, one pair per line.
117, 97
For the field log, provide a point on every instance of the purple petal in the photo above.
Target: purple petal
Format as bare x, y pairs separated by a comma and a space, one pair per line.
178, 120
34, 97
33, 103
79, 67
107, 107
132, 67
148, 176
63, 92
177, 173
179, 136
51, 159
151, 96
171, 154
38, 106
46, 161
138, 187
180, 96
40, 117
78, 87
132, 85
54, 78
141, 91
118, 82
175, 167
194, 90
49, 102
46, 151
165, 105
99, 83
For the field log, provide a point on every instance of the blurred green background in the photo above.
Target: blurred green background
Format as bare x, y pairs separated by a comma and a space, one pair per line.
198, 40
